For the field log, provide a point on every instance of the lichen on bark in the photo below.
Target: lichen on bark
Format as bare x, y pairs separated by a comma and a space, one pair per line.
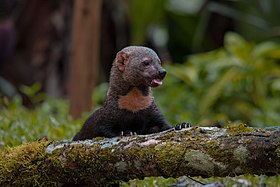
197, 151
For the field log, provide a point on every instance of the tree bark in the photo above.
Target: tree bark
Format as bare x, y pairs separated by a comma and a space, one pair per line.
196, 151
85, 55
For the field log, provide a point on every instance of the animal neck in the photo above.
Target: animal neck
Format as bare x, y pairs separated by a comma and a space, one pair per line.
118, 86
128, 97
135, 100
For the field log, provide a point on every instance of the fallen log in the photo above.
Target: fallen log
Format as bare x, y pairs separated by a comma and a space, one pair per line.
196, 151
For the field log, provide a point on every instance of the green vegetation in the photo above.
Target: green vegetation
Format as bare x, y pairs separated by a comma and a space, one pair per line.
49, 119
195, 26
238, 82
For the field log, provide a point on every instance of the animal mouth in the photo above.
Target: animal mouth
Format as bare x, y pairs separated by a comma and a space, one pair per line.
156, 82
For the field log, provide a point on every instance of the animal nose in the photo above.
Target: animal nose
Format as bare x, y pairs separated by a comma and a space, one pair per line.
162, 73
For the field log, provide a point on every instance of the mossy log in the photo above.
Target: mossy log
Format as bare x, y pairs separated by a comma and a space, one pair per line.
194, 151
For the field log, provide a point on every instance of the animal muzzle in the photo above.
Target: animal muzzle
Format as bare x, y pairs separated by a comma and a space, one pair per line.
158, 80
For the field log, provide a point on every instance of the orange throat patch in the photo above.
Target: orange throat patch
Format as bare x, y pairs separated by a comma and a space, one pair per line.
135, 101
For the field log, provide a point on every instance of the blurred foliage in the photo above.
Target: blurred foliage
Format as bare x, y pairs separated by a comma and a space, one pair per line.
50, 119
238, 82
199, 25
7, 88
256, 20
143, 13
33, 92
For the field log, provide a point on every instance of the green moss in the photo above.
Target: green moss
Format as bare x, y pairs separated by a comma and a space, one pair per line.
13, 162
212, 144
239, 129
214, 150
277, 151
98, 138
31, 165
86, 164
71, 163
168, 159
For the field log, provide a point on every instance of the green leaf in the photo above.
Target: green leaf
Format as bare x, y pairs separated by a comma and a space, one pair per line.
276, 85
31, 90
266, 49
143, 13
188, 73
210, 95
238, 46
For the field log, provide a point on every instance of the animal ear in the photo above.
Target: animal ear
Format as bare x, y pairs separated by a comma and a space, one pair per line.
122, 60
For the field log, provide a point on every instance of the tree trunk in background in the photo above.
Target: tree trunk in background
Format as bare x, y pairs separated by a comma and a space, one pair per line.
85, 55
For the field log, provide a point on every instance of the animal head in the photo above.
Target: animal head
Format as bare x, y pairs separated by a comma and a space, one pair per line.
140, 66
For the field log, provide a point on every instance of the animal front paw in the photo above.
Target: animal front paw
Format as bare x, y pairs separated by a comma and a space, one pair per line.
183, 125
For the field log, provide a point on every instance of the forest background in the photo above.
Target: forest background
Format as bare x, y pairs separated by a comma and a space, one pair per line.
222, 59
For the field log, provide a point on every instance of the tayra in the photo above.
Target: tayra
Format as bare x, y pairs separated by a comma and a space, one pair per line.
129, 106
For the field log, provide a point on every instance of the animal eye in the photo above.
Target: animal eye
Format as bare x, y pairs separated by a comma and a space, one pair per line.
146, 62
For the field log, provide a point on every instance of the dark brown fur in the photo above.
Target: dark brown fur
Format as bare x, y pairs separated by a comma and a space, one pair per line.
129, 105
